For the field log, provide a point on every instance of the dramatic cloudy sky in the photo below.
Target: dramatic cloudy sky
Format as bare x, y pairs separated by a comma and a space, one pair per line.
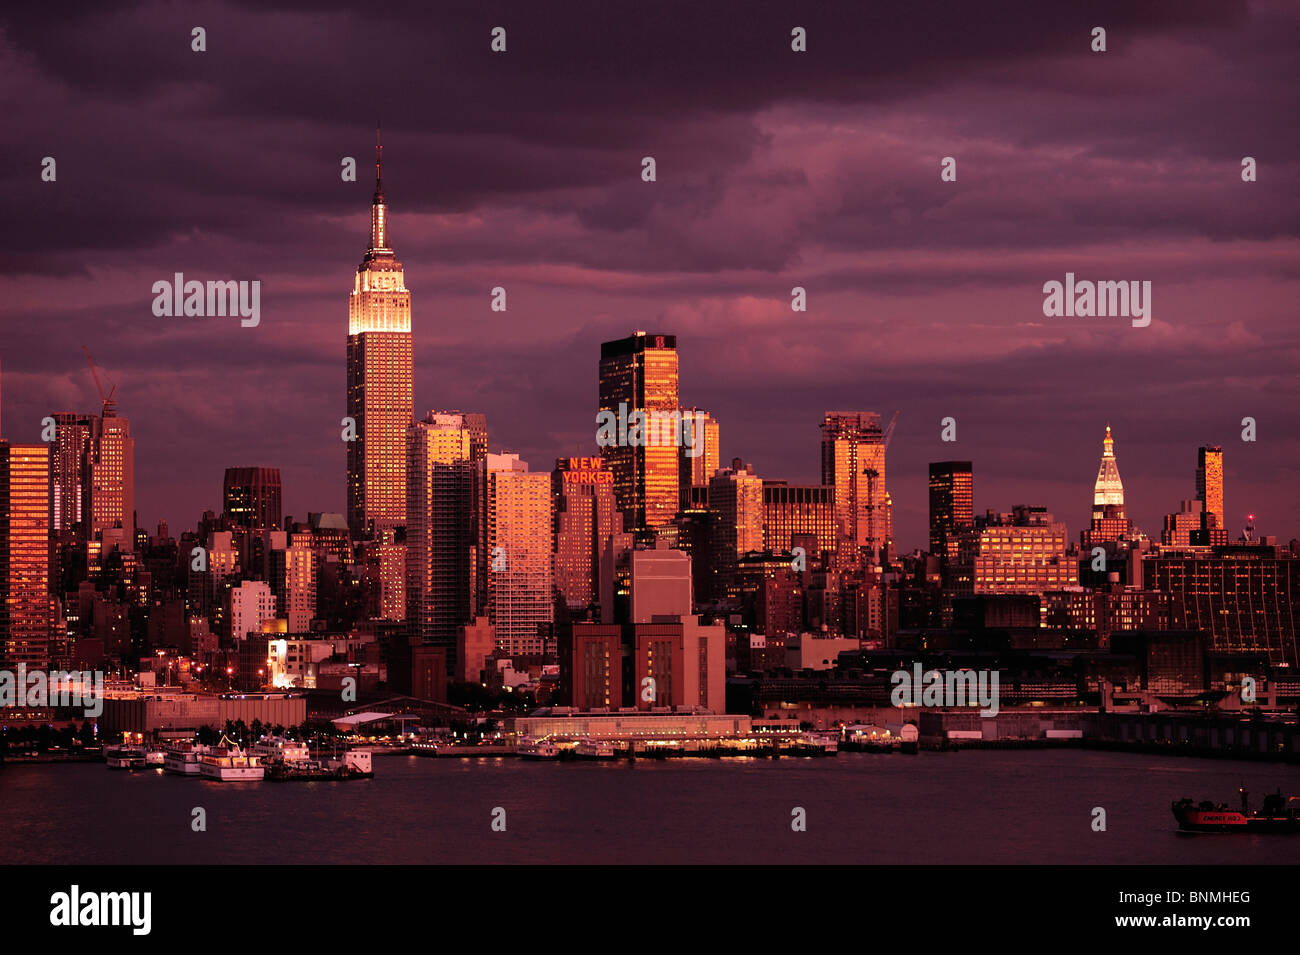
775, 169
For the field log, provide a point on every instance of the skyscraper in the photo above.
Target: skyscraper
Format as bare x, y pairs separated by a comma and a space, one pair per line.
1108, 520
700, 457
26, 609
517, 551
853, 461
586, 525
379, 379
439, 529
736, 496
112, 474
952, 505
1209, 491
639, 374
251, 497
72, 453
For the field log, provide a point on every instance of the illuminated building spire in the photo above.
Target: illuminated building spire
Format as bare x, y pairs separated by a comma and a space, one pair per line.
379, 208
1109, 489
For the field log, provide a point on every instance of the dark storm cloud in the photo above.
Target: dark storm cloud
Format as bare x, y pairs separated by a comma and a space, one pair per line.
775, 169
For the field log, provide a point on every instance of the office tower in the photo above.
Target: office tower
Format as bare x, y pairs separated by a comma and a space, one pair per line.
517, 553
1023, 552
26, 608
660, 584
736, 496
1245, 596
1209, 491
798, 511
439, 529
853, 462
638, 377
251, 498
700, 445
1108, 520
71, 455
112, 475
250, 603
379, 379
586, 522
952, 505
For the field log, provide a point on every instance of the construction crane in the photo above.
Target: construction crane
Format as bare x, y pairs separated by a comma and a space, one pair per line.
889, 431
110, 406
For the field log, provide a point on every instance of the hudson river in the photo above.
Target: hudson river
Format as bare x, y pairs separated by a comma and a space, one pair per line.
977, 807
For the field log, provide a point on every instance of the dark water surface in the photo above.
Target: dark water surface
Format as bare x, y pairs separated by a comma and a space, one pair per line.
978, 807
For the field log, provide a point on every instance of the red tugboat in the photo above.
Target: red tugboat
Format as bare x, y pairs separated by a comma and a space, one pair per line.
1280, 814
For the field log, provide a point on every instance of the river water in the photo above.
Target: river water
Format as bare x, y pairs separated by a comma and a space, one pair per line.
979, 807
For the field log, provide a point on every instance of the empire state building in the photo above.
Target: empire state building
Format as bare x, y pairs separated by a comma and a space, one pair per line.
379, 379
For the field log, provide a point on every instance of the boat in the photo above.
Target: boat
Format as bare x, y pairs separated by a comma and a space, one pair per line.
228, 763
530, 748
354, 764
589, 748
1279, 814
279, 749
125, 757
183, 758
155, 757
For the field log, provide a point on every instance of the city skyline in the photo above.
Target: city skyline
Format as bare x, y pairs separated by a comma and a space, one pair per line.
920, 301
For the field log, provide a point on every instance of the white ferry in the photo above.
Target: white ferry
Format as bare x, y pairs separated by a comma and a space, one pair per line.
273, 748
125, 757
530, 748
155, 757
183, 758
229, 763
589, 748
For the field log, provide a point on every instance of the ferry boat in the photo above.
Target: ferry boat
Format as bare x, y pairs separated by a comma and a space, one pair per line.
279, 749
530, 748
125, 757
588, 748
155, 757
1279, 814
354, 764
228, 763
183, 758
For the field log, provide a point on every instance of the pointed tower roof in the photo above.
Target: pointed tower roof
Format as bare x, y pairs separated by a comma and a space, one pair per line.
1109, 489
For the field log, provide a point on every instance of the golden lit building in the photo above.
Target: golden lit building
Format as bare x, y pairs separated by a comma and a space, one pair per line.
379, 380
1209, 491
700, 459
793, 510
112, 475
853, 462
736, 496
517, 553
639, 373
26, 609
439, 541
1024, 552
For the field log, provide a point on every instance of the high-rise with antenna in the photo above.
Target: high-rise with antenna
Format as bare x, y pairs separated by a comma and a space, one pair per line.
379, 399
